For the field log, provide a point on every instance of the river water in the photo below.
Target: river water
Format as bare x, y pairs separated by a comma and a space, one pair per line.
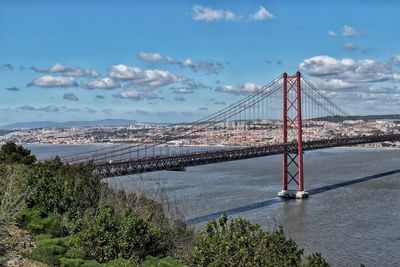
351, 217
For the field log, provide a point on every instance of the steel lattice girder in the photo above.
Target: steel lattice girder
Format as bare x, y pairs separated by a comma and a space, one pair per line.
174, 162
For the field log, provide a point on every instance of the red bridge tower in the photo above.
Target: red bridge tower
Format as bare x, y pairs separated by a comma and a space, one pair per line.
292, 161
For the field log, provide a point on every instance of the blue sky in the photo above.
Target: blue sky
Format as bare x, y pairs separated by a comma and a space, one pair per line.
179, 60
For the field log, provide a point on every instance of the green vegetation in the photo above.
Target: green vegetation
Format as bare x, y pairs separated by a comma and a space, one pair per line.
76, 220
241, 243
11, 153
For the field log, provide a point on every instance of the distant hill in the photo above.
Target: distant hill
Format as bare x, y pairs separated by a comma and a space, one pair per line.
68, 124
362, 117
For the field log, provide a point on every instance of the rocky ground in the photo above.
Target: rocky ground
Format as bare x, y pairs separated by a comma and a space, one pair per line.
16, 244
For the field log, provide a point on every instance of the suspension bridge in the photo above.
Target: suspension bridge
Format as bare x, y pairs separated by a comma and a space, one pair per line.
288, 116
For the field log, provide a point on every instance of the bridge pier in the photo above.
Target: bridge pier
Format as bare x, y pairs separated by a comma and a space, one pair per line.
293, 194
292, 161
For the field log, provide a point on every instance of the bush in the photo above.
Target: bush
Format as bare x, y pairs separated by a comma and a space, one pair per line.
60, 251
11, 153
315, 260
120, 262
12, 201
164, 262
37, 222
63, 189
75, 253
78, 262
109, 236
242, 243
141, 205
45, 254
99, 239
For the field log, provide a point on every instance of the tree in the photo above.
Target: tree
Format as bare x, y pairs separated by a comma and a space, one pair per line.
242, 243
68, 190
12, 153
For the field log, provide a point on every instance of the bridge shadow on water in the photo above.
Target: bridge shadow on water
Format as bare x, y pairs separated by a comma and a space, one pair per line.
276, 200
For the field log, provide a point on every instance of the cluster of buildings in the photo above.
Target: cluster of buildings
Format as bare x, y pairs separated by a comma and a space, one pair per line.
233, 133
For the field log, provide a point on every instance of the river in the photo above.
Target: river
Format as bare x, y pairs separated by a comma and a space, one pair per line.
351, 217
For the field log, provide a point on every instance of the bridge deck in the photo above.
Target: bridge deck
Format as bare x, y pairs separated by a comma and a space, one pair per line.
179, 162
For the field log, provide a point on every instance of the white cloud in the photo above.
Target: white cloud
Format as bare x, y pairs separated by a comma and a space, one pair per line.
351, 80
135, 95
242, 89
105, 83
332, 33
350, 70
76, 72
188, 87
333, 84
57, 68
208, 14
67, 71
183, 91
206, 66
45, 109
261, 14
154, 57
349, 31
396, 59
53, 81
382, 90
149, 79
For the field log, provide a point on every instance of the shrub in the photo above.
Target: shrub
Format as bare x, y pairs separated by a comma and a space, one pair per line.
138, 203
12, 200
99, 239
109, 236
120, 262
163, 262
75, 253
137, 236
242, 243
37, 222
63, 189
47, 254
62, 251
78, 262
315, 260
11, 153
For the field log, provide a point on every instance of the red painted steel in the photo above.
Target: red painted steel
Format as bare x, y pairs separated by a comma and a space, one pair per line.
292, 114
284, 125
299, 133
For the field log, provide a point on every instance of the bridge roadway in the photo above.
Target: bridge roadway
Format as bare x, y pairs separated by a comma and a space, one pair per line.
180, 161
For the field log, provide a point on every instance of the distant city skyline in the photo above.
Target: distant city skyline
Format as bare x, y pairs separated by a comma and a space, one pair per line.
172, 61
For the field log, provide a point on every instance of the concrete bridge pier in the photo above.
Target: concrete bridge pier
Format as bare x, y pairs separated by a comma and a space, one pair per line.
291, 194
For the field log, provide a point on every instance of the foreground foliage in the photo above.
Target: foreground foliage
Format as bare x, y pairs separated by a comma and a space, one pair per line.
129, 236
79, 221
242, 243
